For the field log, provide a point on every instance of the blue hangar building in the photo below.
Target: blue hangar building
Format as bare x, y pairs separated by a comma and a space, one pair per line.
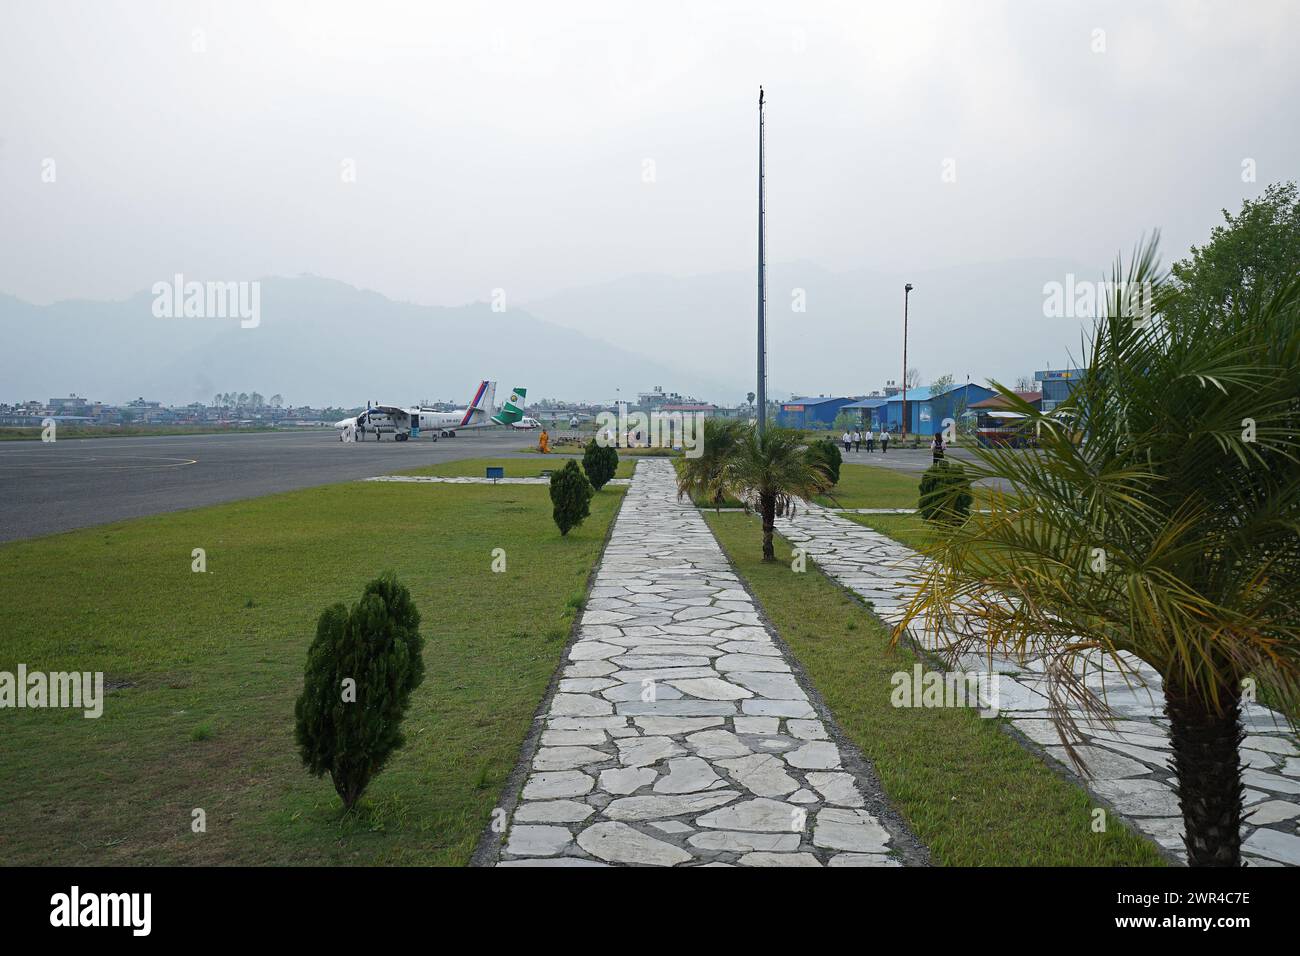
811, 412
926, 409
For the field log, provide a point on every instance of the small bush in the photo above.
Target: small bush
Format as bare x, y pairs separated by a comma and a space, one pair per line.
570, 496
349, 730
827, 453
945, 493
600, 464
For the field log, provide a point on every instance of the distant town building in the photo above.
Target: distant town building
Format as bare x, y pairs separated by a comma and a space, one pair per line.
691, 407
1057, 385
656, 398
227, 411
72, 405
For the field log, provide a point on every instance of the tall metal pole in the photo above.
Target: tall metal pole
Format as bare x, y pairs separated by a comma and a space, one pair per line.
762, 283
907, 290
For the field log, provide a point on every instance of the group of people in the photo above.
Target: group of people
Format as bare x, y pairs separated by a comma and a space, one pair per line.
853, 441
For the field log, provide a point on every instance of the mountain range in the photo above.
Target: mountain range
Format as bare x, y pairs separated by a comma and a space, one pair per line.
323, 342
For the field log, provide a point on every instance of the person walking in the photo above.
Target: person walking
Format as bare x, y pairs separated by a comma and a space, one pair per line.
848, 440
884, 442
857, 441
871, 441
936, 448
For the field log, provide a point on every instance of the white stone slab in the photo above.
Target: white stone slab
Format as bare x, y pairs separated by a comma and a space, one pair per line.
620, 843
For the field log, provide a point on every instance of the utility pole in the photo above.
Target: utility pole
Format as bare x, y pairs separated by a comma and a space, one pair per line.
907, 290
762, 282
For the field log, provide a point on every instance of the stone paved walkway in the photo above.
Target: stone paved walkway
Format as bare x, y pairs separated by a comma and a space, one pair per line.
678, 734
1130, 761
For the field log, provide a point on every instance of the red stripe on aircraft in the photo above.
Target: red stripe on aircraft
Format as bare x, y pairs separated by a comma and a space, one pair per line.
474, 404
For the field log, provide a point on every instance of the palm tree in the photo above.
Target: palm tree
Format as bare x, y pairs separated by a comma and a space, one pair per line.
701, 477
1159, 520
768, 472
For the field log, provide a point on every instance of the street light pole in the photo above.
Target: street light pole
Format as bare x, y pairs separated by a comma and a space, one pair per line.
762, 283
907, 290
965, 401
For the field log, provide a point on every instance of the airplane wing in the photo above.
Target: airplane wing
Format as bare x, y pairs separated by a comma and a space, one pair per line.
400, 417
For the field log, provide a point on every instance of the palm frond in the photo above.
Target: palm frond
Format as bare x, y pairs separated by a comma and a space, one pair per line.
1157, 518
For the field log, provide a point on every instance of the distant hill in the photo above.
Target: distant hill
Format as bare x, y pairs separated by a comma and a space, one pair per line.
319, 342
985, 319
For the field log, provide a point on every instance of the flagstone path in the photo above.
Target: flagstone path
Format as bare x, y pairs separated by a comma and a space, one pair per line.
679, 735
1130, 760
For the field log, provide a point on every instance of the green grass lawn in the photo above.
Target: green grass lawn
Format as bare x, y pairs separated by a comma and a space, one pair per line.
515, 467
866, 486
969, 792
209, 666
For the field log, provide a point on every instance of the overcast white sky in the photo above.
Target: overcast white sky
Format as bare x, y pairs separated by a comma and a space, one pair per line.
504, 144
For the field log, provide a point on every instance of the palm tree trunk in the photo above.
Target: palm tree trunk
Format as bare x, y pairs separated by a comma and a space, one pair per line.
767, 507
1207, 765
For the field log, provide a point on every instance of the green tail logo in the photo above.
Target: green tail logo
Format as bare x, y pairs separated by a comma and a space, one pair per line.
510, 411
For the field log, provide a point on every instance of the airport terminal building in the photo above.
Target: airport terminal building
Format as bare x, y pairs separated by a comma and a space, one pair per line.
1057, 385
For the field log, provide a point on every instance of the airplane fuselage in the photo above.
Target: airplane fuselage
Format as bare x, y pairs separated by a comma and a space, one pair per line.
405, 422
446, 421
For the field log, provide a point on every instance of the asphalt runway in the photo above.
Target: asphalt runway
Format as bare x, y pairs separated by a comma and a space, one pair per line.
911, 460
914, 461
75, 483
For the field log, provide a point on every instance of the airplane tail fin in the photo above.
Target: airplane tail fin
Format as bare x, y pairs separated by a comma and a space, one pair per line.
481, 407
512, 411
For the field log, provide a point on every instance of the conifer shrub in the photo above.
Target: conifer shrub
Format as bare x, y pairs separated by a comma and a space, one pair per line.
361, 670
570, 497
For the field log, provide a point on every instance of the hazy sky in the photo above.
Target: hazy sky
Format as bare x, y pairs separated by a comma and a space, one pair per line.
504, 145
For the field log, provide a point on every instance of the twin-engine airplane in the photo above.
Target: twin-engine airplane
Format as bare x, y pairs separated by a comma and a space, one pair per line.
405, 423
